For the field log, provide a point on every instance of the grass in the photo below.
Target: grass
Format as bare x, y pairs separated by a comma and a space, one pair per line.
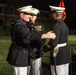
72, 39
6, 69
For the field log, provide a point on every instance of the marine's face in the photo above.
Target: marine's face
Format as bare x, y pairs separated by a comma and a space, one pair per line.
56, 16
25, 17
53, 16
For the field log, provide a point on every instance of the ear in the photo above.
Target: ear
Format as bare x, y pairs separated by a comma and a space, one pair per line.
21, 15
57, 14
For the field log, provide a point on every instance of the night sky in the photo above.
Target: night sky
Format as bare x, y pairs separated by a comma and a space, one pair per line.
70, 6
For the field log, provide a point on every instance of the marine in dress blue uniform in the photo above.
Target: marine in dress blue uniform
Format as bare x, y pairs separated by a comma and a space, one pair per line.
60, 55
36, 45
21, 35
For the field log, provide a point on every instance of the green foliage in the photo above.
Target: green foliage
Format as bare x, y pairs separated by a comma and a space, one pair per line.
8, 30
47, 25
2, 32
5, 30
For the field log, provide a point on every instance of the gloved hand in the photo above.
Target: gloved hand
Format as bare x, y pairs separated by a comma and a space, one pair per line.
33, 53
55, 51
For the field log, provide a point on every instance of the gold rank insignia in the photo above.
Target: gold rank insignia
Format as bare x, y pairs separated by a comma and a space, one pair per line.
38, 28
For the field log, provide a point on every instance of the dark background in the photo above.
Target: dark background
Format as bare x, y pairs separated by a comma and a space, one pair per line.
70, 6
44, 4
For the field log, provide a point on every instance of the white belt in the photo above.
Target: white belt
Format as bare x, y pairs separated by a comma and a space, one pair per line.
62, 45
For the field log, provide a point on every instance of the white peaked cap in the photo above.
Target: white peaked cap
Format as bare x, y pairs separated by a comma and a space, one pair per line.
26, 9
35, 11
57, 9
